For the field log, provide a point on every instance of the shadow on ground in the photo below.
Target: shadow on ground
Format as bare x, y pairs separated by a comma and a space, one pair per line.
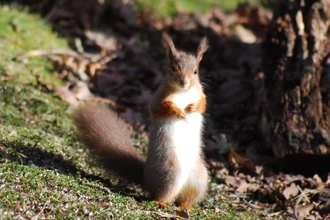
26, 155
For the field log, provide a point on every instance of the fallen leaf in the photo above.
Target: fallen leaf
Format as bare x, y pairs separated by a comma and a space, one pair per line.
168, 215
6, 78
290, 191
304, 211
65, 94
325, 194
245, 35
319, 182
183, 213
232, 181
241, 162
247, 187
235, 158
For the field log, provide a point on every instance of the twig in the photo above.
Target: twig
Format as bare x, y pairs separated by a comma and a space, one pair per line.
253, 206
107, 58
35, 53
303, 194
295, 214
274, 214
299, 198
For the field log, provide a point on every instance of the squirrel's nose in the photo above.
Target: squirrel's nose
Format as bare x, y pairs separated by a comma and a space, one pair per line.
183, 82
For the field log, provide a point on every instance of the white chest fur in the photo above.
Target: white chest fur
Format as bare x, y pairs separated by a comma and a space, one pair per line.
186, 133
186, 97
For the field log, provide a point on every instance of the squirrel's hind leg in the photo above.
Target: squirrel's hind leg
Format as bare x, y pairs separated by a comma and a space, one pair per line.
163, 184
195, 188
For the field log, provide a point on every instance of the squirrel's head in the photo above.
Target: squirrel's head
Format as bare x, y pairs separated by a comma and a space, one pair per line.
183, 72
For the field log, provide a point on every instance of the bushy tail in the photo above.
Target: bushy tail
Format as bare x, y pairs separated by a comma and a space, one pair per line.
108, 140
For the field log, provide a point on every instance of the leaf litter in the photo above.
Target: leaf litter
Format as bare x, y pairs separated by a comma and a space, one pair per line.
117, 58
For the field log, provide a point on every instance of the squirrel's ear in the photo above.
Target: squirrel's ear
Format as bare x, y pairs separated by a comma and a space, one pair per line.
168, 45
203, 45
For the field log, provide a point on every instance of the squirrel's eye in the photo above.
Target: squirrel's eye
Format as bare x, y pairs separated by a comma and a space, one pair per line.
195, 71
173, 68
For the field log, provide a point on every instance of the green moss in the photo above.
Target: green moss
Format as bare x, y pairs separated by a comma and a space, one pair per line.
168, 8
20, 33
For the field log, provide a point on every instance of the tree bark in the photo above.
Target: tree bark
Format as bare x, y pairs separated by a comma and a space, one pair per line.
297, 69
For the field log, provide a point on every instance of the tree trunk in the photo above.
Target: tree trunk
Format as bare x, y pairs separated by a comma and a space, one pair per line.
297, 69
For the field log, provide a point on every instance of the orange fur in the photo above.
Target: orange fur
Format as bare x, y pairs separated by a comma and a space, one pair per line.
199, 106
167, 109
162, 204
187, 196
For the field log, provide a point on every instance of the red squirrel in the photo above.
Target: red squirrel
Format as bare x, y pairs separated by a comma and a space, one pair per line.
174, 169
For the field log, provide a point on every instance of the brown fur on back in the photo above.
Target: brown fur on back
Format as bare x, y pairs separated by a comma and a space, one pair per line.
108, 140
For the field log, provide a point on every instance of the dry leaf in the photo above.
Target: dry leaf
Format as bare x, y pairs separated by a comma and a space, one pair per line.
232, 181
240, 161
247, 187
245, 35
304, 211
65, 94
319, 182
290, 191
168, 215
183, 213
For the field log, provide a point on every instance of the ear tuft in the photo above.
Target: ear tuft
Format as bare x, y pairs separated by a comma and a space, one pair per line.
203, 45
168, 45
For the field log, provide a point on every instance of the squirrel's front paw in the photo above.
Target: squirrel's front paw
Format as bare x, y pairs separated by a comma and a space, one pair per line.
181, 115
191, 108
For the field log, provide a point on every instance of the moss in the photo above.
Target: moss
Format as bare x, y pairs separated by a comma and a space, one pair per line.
168, 8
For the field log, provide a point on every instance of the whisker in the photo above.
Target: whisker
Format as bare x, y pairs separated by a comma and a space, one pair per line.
209, 81
169, 69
